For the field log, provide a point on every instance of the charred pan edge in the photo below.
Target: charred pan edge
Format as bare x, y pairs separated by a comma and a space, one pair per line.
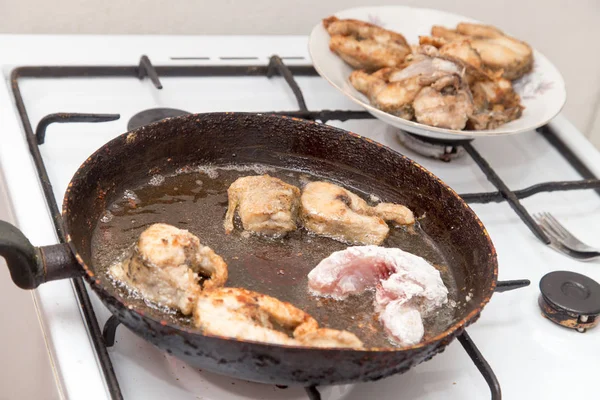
436, 344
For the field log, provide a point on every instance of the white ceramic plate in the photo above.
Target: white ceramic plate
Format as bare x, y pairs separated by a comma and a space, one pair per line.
542, 91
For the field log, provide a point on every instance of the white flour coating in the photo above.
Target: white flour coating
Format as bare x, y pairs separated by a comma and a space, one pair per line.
407, 286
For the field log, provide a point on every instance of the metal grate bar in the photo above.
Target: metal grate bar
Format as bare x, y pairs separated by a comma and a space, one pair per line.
496, 197
505, 286
481, 364
145, 68
40, 131
80, 289
313, 393
277, 65
567, 153
109, 332
93, 71
508, 195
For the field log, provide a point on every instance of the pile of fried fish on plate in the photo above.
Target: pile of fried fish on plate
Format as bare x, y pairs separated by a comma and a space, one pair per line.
166, 265
455, 79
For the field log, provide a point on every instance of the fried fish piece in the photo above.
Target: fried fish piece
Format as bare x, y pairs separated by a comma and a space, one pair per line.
265, 204
165, 267
394, 212
246, 315
392, 97
365, 46
429, 89
496, 103
498, 51
243, 314
494, 100
457, 49
332, 211
446, 103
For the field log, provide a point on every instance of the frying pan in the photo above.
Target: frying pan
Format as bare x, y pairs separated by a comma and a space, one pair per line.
292, 144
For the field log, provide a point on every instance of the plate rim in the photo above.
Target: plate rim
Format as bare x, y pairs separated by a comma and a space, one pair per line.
433, 131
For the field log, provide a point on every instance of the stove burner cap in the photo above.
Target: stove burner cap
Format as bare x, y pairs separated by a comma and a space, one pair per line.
445, 150
570, 299
152, 115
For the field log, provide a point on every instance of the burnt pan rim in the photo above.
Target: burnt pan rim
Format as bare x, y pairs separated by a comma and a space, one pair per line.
100, 289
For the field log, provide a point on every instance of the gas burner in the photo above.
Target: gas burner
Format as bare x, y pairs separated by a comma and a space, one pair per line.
152, 115
445, 150
570, 299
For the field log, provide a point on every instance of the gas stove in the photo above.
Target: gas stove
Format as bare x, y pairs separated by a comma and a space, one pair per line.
66, 96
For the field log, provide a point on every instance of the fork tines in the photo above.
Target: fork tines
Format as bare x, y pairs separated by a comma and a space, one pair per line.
564, 241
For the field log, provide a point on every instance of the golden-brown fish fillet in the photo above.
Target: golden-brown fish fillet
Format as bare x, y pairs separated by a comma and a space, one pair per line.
265, 204
397, 213
363, 30
246, 315
365, 46
462, 50
392, 97
430, 88
446, 103
449, 34
498, 51
332, 211
495, 102
165, 266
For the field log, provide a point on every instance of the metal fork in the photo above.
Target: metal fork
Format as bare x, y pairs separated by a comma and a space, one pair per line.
563, 241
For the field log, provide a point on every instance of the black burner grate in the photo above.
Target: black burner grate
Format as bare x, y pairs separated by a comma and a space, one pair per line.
275, 66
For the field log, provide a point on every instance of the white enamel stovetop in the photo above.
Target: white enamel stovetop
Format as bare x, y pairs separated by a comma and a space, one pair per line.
532, 358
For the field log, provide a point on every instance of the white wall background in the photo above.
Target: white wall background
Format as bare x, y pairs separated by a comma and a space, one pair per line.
565, 31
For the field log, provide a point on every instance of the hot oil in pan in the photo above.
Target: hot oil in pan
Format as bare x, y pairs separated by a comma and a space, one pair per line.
197, 201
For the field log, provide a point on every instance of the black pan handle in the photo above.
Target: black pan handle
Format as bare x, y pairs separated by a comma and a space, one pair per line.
31, 266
